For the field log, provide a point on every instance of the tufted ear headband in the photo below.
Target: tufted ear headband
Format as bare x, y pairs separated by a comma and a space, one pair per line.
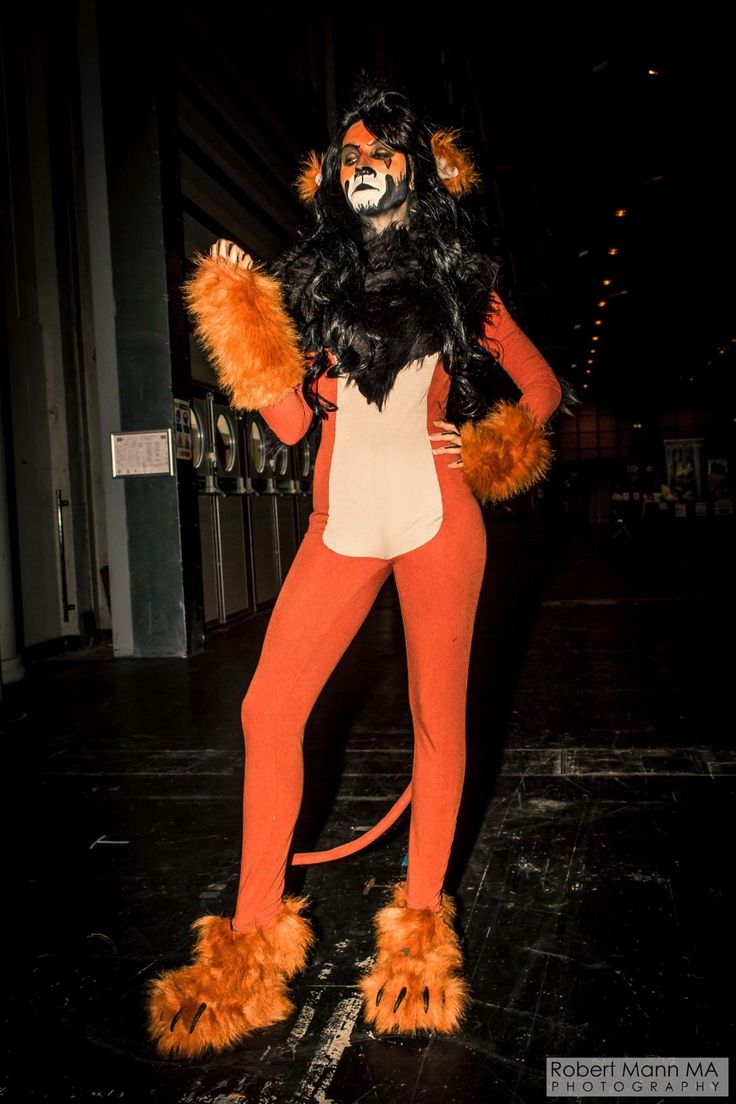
310, 177
455, 168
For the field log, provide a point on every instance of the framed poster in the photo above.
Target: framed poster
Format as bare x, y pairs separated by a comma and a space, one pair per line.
684, 467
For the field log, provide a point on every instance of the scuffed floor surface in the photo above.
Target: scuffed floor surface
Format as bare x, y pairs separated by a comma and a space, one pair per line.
593, 870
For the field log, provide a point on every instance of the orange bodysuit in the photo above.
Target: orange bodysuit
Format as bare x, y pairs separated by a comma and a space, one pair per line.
383, 502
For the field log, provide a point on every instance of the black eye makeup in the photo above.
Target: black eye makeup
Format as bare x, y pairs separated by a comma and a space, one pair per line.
350, 154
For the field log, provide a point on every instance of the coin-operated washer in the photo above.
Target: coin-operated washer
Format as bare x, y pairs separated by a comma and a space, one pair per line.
203, 462
231, 543
272, 494
303, 456
217, 458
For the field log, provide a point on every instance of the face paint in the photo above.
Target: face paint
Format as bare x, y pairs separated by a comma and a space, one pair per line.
373, 176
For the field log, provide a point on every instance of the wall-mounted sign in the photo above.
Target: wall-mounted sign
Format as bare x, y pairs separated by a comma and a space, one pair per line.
148, 452
183, 429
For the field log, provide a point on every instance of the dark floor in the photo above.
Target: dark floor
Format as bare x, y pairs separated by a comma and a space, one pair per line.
592, 868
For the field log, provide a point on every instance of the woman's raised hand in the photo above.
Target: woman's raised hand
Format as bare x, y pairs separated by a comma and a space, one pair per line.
231, 252
452, 439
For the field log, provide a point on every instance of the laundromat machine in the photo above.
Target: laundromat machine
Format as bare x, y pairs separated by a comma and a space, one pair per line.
255, 497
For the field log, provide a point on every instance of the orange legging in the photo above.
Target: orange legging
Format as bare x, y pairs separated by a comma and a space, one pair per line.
323, 602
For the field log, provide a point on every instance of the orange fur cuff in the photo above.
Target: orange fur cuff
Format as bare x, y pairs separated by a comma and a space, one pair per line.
240, 319
505, 453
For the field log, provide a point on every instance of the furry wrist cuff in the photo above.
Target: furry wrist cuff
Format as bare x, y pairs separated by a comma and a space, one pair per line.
241, 321
505, 453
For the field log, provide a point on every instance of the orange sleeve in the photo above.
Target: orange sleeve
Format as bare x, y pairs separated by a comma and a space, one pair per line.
290, 418
541, 391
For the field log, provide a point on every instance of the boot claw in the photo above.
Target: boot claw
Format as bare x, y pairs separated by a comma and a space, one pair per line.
418, 951
238, 978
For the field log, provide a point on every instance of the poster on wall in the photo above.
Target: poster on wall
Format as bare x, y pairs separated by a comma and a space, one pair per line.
183, 429
683, 457
718, 481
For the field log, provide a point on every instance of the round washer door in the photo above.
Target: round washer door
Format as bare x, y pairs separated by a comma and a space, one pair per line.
198, 450
304, 459
256, 447
281, 460
225, 443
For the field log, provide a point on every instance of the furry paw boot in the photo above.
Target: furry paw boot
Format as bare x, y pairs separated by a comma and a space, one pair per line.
236, 983
414, 985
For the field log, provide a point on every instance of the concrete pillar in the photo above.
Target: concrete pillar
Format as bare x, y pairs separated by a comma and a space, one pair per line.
134, 354
12, 668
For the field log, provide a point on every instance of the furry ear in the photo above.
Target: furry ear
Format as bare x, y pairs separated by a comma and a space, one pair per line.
240, 318
505, 453
455, 166
310, 177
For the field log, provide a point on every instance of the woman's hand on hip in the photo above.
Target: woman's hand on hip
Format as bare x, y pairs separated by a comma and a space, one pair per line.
452, 442
231, 252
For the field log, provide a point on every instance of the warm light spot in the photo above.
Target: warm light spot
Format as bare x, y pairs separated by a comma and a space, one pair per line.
620, 213
589, 371
652, 72
595, 337
607, 283
613, 251
585, 385
598, 322
601, 302
590, 362
637, 425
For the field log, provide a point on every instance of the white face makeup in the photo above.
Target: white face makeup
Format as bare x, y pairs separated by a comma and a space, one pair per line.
373, 176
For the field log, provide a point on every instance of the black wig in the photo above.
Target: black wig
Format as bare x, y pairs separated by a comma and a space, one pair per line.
382, 301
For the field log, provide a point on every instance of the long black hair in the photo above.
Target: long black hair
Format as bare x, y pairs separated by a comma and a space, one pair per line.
381, 302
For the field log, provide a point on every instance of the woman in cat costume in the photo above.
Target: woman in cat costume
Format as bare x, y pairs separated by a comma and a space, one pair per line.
383, 323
